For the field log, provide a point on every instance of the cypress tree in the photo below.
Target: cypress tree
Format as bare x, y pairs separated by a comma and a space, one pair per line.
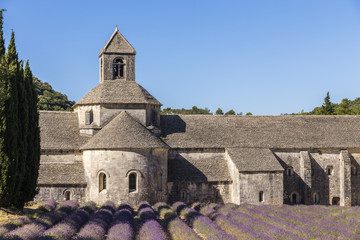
2, 41
9, 121
33, 138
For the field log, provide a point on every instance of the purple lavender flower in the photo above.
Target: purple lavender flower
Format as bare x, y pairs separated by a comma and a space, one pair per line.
151, 230
96, 228
69, 226
122, 226
204, 225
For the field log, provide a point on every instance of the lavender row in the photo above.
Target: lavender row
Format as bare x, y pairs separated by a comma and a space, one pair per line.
325, 224
122, 227
48, 205
321, 226
178, 230
229, 226
96, 228
201, 224
299, 230
256, 224
34, 229
150, 227
70, 225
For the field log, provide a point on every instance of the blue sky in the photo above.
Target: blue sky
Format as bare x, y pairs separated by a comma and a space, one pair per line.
265, 57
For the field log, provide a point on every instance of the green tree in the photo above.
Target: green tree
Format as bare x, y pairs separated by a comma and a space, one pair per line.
219, 112
32, 138
327, 107
249, 114
344, 108
230, 112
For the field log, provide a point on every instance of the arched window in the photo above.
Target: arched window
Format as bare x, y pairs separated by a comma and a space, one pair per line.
290, 171
294, 198
132, 182
183, 195
353, 170
118, 68
316, 198
102, 181
261, 196
67, 195
329, 170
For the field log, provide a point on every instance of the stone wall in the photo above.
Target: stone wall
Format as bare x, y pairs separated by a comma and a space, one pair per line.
150, 167
58, 193
269, 183
190, 192
235, 176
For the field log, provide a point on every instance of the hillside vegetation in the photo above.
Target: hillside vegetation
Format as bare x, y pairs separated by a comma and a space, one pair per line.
51, 100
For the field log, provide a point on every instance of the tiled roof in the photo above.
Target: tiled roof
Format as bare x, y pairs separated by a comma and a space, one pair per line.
118, 92
124, 132
289, 132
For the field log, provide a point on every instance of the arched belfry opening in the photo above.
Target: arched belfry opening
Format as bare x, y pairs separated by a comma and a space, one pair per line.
118, 68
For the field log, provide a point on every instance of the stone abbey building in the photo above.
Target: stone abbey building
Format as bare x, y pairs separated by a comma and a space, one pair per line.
117, 146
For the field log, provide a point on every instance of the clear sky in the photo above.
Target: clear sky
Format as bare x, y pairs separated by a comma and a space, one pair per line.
266, 56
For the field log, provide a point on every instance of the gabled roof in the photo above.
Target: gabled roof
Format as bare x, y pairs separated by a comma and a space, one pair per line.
59, 130
254, 159
118, 92
61, 173
274, 132
198, 168
117, 44
124, 132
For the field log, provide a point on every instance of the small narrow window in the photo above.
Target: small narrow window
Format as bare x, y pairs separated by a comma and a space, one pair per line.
353, 170
88, 117
261, 196
159, 181
183, 195
217, 193
329, 170
132, 182
290, 171
118, 68
67, 195
102, 181
316, 198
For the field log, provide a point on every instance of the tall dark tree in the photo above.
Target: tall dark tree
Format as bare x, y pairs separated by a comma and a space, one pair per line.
327, 107
9, 125
2, 41
32, 137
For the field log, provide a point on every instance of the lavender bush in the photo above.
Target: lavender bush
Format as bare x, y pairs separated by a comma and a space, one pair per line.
236, 230
203, 225
177, 229
34, 229
122, 226
96, 228
69, 226
14, 223
150, 228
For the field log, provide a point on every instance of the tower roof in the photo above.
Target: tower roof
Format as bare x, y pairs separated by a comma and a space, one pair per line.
117, 44
124, 132
118, 92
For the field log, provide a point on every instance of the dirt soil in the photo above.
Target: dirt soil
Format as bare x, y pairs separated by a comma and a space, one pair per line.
7, 214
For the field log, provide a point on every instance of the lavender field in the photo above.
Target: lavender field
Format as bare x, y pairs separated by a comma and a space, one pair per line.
69, 220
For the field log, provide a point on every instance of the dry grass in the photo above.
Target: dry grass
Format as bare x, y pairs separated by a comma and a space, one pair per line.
7, 214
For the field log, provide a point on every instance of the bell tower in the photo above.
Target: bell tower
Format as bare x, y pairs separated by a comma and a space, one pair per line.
117, 59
